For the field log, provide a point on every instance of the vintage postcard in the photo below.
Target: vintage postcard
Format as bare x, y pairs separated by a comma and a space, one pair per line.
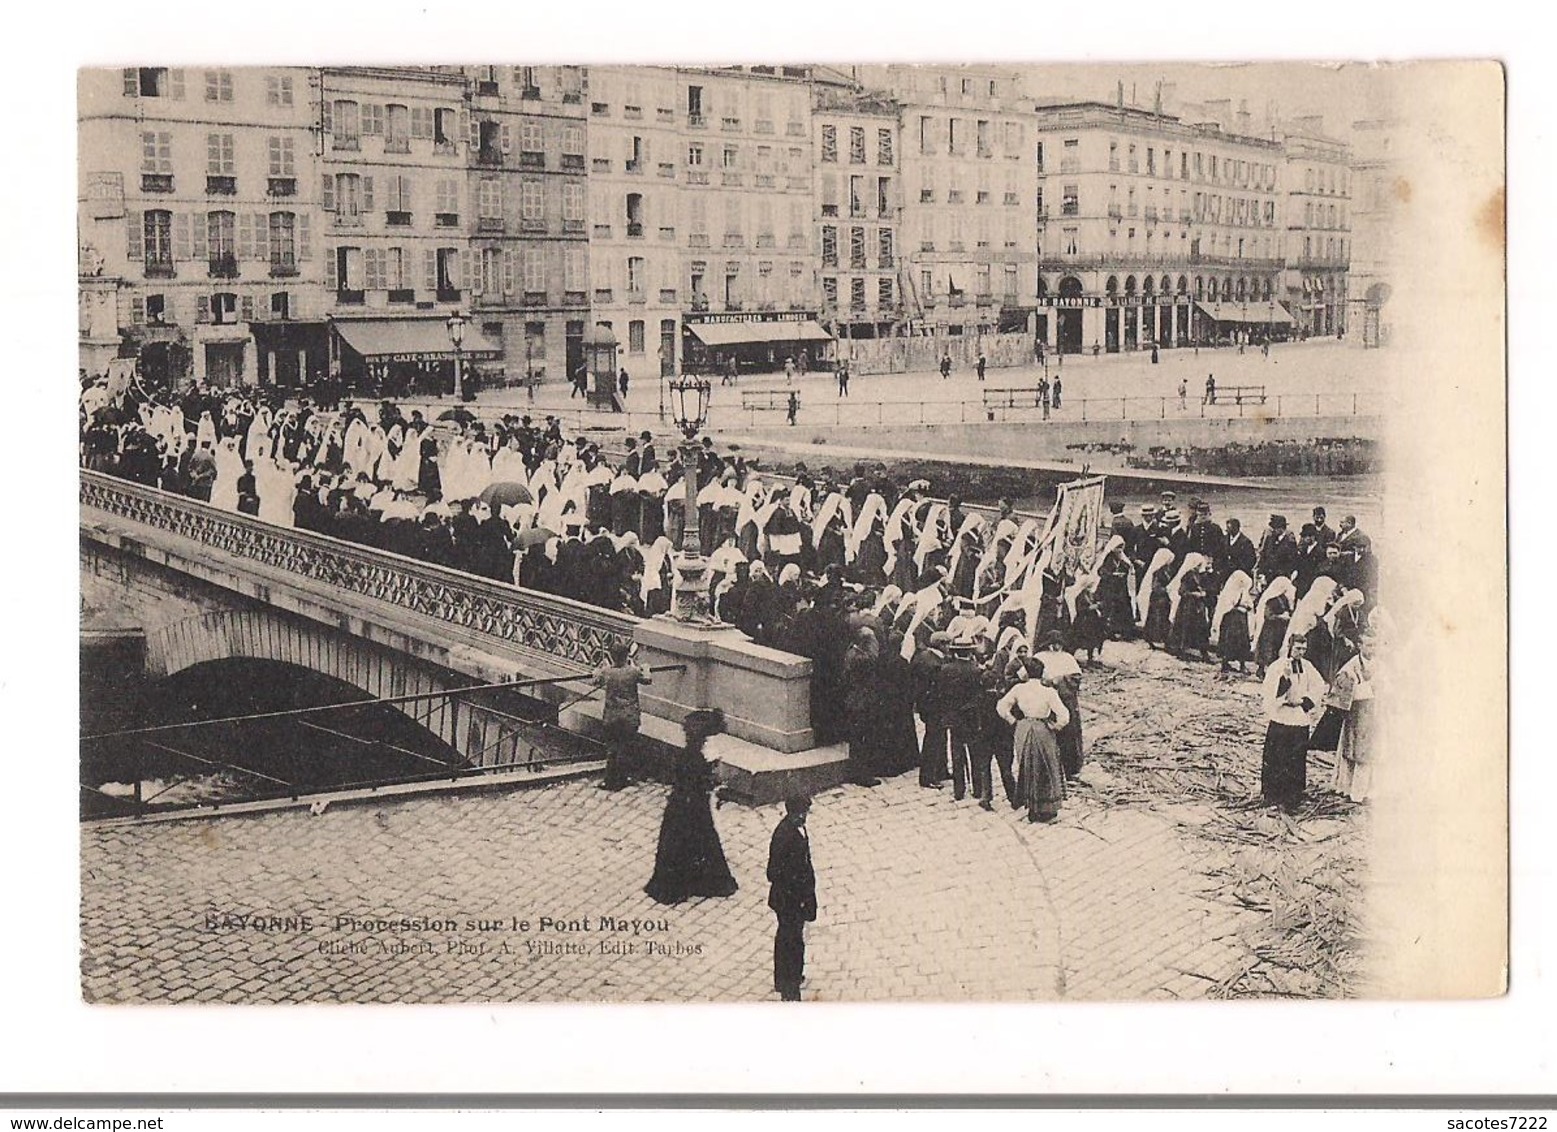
836, 533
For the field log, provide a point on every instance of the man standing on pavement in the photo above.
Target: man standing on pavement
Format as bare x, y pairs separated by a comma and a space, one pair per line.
1057, 388
1210, 389
843, 379
981, 365
620, 678
1239, 553
1183, 392
793, 407
945, 366
792, 896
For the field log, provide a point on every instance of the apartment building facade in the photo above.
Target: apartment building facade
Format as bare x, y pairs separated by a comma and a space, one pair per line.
857, 150
635, 239
528, 184
197, 222
1318, 236
1154, 230
968, 180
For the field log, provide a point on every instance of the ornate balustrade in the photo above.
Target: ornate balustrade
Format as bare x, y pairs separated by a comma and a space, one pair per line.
569, 632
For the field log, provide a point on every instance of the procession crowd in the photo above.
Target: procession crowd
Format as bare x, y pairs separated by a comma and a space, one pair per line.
943, 639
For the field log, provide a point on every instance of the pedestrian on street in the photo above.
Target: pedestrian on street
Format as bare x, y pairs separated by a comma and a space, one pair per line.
793, 407
1057, 390
843, 379
1035, 711
1043, 394
792, 896
1210, 389
620, 678
945, 366
1183, 392
981, 365
789, 373
621, 383
689, 860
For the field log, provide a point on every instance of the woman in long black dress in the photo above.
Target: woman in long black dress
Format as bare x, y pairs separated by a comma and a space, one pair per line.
690, 859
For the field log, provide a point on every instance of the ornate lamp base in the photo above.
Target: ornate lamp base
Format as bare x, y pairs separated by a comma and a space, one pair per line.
691, 598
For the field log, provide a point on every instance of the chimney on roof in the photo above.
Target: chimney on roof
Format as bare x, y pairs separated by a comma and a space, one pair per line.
1120, 97
1220, 111
1157, 98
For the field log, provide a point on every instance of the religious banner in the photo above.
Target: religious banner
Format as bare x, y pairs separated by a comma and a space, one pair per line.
1071, 534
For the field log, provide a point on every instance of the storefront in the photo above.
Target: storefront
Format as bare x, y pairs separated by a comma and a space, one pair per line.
291, 355
1233, 323
397, 357
758, 343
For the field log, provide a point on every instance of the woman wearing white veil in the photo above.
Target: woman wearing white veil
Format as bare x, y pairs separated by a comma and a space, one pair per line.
1160, 561
277, 486
1272, 615
229, 466
205, 430
1230, 624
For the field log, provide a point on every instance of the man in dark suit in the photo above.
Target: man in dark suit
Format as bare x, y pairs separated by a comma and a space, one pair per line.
792, 896
1238, 554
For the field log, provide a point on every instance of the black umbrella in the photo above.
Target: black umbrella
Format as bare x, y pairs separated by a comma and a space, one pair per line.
505, 494
464, 416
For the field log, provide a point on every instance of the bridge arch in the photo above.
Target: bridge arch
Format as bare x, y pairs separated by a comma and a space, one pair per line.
470, 729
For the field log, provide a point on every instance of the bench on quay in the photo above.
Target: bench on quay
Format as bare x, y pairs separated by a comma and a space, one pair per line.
755, 399
1239, 395
1012, 396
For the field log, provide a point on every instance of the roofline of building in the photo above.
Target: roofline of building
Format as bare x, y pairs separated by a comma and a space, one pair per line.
1159, 119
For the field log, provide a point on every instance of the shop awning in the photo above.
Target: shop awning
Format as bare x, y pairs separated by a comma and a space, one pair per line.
736, 333
414, 340
1254, 314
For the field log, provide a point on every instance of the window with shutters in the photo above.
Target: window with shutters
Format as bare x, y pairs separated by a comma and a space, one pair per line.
885, 251
218, 86
448, 210
489, 200
532, 205
448, 274
637, 278
156, 152
491, 271
830, 290
857, 294
278, 90
1010, 282
856, 145
857, 248
394, 275
223, 308
282, 233
157, 229
733, 227
347, 125
829, 246
221, 232
535, 272
397, 129
372, 120
532, 143
884, 147
348, 198
282, 156
154, 82
219, 155
829, 143
635, 336
444, 127
572, 147
573, 207
574, 276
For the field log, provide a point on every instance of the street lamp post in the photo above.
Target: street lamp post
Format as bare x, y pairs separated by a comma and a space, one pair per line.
456, 325
689, 403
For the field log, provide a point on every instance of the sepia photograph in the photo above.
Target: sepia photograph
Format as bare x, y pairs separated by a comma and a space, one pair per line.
896, 532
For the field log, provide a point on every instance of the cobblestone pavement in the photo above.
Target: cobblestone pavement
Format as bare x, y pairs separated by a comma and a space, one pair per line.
921, 899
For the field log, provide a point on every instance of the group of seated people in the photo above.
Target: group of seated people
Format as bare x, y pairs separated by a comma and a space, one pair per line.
1319, 457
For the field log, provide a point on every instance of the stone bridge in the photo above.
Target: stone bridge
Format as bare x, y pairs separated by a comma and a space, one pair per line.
204, 584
